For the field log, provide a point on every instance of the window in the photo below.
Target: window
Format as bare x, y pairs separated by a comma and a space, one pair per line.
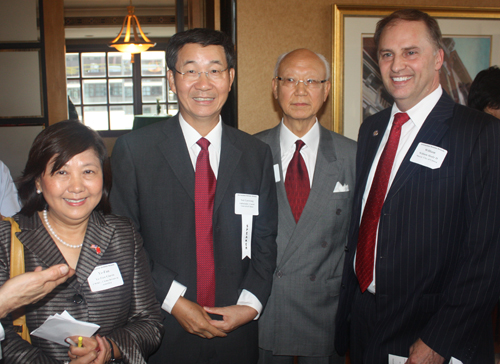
107, 90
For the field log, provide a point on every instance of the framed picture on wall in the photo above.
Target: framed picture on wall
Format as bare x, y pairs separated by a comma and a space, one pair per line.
471, 37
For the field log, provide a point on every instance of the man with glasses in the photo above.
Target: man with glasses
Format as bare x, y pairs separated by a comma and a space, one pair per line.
314, 173
202, 195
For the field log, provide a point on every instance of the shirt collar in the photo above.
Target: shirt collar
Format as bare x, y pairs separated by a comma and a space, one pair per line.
288, 139
191, 135
420, 111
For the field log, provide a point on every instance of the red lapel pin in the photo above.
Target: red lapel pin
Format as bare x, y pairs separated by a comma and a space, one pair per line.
97, 248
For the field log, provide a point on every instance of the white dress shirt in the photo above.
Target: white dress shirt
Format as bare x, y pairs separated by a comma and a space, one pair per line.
409, 131
9, 202
2, 336
309, 151
191, 136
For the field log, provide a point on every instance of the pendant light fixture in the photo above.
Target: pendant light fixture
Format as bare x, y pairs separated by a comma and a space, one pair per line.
136, 45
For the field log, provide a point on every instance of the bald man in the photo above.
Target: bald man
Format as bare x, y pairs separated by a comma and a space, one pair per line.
314, 173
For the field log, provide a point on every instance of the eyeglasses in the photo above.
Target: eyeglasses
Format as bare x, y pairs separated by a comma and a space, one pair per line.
213, 74
292, 82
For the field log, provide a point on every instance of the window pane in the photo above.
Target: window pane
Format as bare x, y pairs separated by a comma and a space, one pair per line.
72, 65
152, 109
94, 64
173, 109
121, 90
74, 91
153, 63
94, 92
96, 117
122, 117
79, 111
153, 89
171, 96
119, 64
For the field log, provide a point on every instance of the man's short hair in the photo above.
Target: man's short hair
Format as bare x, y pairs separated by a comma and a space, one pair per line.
485, 90
203, 37
322, 57
411, 15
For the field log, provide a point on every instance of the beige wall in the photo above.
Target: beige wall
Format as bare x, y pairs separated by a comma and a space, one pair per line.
268, 28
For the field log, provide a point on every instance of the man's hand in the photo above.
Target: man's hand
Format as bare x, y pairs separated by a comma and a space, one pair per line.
30, 287
420, 353
232, 316
194, 319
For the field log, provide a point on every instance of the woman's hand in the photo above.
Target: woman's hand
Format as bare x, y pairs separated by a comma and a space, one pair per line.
95, 349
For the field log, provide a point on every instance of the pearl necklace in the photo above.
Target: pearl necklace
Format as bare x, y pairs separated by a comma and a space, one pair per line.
55, 235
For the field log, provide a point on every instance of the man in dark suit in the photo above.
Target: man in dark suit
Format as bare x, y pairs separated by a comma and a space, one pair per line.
421, 274
299, 319
203, 197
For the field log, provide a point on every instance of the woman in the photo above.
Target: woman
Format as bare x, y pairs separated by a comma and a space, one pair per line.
65, 219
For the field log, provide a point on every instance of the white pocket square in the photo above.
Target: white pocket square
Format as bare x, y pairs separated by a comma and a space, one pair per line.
341, 188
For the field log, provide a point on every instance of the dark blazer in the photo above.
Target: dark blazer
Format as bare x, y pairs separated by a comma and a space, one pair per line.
128, 314
299, 318
437, 271
153, 184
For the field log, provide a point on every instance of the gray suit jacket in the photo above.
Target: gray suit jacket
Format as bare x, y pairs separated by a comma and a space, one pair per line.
128, 314
300, 315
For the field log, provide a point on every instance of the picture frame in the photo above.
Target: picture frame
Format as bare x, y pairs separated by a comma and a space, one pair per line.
351, 22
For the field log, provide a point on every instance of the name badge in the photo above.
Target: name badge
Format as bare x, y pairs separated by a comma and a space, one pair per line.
105, 277
277, 173
247, 206
428, 156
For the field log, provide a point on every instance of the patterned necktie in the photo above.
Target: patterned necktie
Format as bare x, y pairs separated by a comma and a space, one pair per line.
297, 182
204, 193
371, 215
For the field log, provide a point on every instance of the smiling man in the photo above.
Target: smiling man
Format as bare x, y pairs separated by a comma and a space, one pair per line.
202, 195
315, 181
421, 271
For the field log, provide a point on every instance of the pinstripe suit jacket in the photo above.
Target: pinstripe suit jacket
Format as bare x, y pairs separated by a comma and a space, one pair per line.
153, 184
437, 270
129, 314
299, 318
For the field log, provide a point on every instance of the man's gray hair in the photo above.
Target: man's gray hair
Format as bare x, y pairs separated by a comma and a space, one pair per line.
322, 57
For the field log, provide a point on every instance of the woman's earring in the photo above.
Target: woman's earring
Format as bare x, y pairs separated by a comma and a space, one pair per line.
38, 191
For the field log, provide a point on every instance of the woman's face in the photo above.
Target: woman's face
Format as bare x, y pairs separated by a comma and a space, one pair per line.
73, 191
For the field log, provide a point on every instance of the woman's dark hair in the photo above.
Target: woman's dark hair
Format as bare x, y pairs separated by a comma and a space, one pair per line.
63, 140
485, 90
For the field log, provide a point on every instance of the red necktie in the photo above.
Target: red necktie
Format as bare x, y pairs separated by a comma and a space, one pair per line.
297, 182
204, 193
373, 208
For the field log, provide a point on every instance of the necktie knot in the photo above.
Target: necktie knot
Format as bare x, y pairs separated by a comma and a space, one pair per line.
203, 143
400, 118
298, 145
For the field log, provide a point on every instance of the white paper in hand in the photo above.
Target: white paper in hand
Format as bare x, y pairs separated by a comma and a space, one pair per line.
59, 326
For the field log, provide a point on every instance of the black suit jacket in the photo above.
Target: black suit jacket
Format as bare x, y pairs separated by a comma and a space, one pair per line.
437, 271
153, 184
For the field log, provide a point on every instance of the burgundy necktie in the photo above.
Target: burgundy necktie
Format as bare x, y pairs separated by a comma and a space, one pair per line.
204, 192
373, 207
297, 182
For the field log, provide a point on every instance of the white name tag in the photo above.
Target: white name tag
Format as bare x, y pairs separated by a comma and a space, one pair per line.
105, 277
277, 173
247, 206
428, 156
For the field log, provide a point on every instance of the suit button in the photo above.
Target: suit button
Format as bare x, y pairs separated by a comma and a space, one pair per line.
324, 244
338, 211
343, 286
279, 274
312, 277
346, 249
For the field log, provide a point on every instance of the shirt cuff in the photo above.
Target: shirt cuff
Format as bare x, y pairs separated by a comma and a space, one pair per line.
176, 290
247, 298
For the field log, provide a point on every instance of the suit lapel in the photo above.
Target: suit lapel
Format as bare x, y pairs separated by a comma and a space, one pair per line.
174, 149
98, 234
432, 131
326, 175
230, 155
